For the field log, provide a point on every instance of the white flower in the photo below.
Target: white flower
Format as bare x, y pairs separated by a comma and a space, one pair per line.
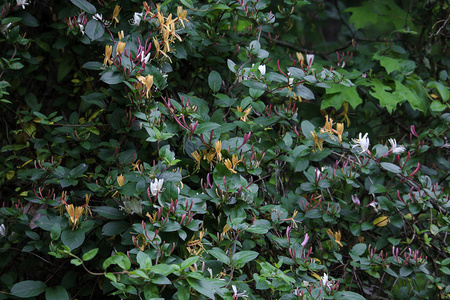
146, 58
98, 17
355, 200
23, 3
394, 148
325, 281
363, 142
262, 69
375, 205
236, 295
309, 59
290, 80
136, 19
2, 230
156, 186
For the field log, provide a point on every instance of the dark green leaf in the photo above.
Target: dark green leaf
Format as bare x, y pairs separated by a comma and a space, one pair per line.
72, 238
203, 287
28, 288
109, 212
90, 254
84, 5
214, 81
94, 29
56, 293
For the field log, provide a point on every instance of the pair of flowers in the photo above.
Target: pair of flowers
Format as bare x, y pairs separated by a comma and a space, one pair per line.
156, 186
363, 143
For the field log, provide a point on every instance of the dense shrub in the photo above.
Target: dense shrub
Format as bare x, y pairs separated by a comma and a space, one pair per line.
230, 149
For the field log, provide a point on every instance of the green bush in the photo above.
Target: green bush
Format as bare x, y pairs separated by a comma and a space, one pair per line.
224, 150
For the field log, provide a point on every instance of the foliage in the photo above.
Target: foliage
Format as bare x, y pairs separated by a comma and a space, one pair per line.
223, 150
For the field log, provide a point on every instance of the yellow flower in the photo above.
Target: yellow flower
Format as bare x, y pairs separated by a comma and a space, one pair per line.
75, 214
246, 112
344, 113
147, 81
87, 208
197, 159
231, 164
300, 58
108, 52
120, 47
121, 35
318, 142
336, 236
340, 130
182, 14
218, 148
209, 154
116, 13
121, 180
328, 125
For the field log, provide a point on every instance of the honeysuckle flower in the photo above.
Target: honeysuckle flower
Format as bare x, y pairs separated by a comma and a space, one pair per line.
363, 142
237, 295
396, 149
336, 236
218, 148
156, 186
22, 3
231, 164
121, 180
147, 81
182, 14
116, 12
120, 47
375, 205
300, 58
74, 214
340, 130
318, 142
98, 17
305, 240
108, 52
87, 208
325, 281
2, 230
244, 118
290, 79
137, 18
309, 59
121, 35
355, 200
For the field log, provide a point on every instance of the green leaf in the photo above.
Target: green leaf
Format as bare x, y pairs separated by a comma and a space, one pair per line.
28, 288
203, 287
78, 171
111, 77
405, 93
56, 293
72, 238
348, 296
90, 254
94, 29
254, 85
214, 81
296, 72
109, 212
84, 5
208, 126
220, 255
187, 3
304, 92
443, 91
189, 262
390, 167
243, 257
93, 65
359, 249
337, 94
114, 228
389, 63
387, 100
307, 127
